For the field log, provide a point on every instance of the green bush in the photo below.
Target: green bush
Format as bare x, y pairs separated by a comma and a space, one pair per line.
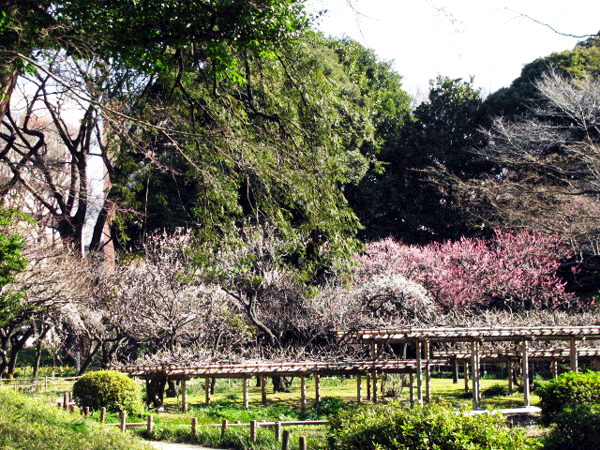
110, 389
495, 390
392, 427
577, 427
569, 390
324, 408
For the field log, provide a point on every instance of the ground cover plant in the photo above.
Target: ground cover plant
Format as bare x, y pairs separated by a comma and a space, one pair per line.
431, 427
27, 423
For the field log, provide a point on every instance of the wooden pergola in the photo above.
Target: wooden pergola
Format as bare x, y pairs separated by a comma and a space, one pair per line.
247, 370
422, 338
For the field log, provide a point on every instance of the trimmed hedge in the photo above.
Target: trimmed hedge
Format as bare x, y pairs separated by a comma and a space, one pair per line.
393, 427
110, 389
569, 390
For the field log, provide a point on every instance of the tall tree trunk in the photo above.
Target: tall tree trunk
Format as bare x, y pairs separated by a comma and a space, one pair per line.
8, 80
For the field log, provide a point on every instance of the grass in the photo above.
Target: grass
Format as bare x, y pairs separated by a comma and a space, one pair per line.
50, 429
29, 423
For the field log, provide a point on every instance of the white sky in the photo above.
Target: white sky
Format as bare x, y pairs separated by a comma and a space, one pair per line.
489, 39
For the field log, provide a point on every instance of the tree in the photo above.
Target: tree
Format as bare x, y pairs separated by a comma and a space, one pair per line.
547, 177
151, 46
275, 148
514, 271
406, 201
522, 95
51, 289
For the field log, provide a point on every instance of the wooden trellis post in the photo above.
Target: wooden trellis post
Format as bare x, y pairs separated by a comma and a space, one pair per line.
303, 392
475, 370
245, 390
573, 356
525, 358
207, 390
317, 387
359, 389
419, 373
510, 370
263, 389
184, 396
427, 371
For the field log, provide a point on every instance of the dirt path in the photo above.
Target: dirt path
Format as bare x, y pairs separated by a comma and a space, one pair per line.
172, 446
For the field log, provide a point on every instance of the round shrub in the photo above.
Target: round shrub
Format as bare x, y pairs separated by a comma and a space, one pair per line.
110, 389
392, 427
569, 390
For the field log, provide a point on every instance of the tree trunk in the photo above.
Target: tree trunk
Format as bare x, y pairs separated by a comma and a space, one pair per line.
156, 391
281, 384
8, 80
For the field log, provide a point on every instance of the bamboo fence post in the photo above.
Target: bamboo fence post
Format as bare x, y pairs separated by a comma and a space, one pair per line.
150, 424
86, 411
278, 431
123, 421
65, 401
285, 443
302, 443
103, 415
253, 426
195, 426
224, 427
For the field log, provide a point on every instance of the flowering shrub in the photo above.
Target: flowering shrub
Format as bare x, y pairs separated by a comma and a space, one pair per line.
514, 271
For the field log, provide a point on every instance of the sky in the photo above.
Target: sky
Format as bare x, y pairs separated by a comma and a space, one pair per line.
489, 39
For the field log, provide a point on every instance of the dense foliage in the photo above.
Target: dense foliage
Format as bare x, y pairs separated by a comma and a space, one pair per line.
568, 391
109, 389
432, 427
577, 426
